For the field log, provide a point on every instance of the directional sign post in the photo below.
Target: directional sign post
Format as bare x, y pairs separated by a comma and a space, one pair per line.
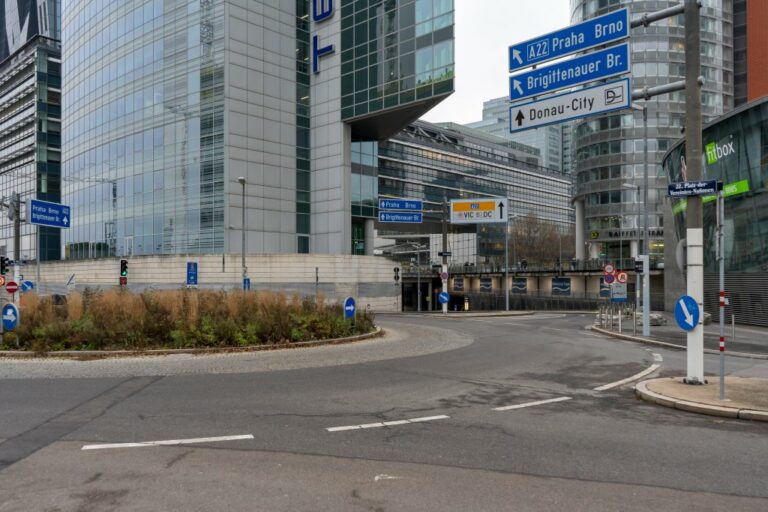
401, 204
693, 188
10, 317
405, 217
576, 38
191, 273
443, 297
590, 101
587, 68
687, 313
349, 307
44, 213
26, 286
479, 211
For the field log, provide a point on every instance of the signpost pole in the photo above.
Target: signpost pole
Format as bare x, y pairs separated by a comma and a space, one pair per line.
506, 264
418, 280
721, 257
694, 217
646, 247
445, 250
37, 251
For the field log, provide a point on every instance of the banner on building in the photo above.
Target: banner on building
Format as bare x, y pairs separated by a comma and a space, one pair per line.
21, 20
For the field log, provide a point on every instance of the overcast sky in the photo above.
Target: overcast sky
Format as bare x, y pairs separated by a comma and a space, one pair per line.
484, 31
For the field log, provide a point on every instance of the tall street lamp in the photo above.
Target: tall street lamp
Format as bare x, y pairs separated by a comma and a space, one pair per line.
241, 180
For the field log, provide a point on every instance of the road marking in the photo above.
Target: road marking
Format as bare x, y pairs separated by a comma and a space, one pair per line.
386, 423
640, 375
531, 404
657, 357
170, 442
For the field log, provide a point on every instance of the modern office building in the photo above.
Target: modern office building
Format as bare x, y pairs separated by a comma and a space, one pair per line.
30, 120
608, 150
177, 113
736, 153
548, 139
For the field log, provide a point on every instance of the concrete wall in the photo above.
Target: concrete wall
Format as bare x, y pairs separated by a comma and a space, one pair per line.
367, 278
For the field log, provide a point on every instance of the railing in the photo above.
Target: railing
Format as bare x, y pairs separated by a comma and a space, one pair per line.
593, 265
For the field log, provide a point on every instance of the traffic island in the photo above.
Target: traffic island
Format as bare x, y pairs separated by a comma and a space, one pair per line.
746, 398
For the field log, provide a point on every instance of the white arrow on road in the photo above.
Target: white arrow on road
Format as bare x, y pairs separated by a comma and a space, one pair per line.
688, 315
516, 56
516, 84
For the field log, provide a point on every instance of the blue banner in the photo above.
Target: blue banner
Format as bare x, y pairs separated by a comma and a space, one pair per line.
561, 286
413, 218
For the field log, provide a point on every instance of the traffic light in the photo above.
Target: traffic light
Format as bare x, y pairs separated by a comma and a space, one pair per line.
397, 274
123, 268
4, 264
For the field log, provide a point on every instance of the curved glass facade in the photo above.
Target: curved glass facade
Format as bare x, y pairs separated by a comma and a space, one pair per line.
143, 127
608, 151
736, 153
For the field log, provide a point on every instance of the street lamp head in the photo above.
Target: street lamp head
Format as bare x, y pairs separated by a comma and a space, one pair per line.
241, 180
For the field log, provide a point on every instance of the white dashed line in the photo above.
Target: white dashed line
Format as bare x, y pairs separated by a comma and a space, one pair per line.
657, 358
386, 423
171, 442
640, 375
531, 404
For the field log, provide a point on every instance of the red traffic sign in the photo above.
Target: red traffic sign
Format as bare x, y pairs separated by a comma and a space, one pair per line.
608, 268
444, 276
12, 287
2, 281
621, 277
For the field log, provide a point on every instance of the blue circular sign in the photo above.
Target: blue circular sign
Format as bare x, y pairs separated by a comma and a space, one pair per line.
349, 307
26, 286
687, 313
443, 297
10, 317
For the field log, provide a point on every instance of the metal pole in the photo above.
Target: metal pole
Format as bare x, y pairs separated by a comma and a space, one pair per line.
694, 217
418, 280
646, 247
506, 264
241, 179
37, 251
721, 257
317, 283
445, 249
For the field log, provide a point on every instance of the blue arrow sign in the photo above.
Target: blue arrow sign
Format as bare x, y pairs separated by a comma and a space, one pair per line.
191, 273
349, 307
401, 204
10, 316
587, 68
687, 313
692, 188
443, 297
412, 218
589, 34
49, 214
26, 286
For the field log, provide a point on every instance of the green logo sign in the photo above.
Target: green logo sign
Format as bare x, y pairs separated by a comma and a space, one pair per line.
729, 189
711, 153
716, 151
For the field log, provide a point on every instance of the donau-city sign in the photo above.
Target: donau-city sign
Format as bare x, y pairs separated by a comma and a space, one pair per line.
580, 70
599, 31
479, 211
585, 102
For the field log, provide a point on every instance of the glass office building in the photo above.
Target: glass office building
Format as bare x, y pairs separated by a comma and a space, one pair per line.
736, 154
608, 150
178, 111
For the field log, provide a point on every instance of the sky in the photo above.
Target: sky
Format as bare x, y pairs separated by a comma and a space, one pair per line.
484, 30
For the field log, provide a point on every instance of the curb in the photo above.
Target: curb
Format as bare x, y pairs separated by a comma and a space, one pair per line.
105, 354
642, 391
649, 341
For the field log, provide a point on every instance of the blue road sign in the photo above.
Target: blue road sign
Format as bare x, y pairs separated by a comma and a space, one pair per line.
411, 218
401, 204
10, 316
587, 68
246, 284
349, 307
49, 214
26, 286
687, 313
443, 297
692, 188
191, 273
589, 34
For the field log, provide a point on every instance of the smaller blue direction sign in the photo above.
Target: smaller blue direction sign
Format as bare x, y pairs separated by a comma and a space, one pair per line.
692, 188
589, 34
401, 204
247, 284
687, 313
587, 68
349, 307
26, 286
191, 273
408, 217
443, 297
10, 316
49, 214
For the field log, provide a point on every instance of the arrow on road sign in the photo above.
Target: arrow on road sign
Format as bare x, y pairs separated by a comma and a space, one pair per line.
501, 209
520, 117
516, 56
516, 85
9, 315
688, 315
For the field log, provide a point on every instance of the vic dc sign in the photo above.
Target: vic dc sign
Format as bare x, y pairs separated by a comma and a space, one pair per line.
322, 10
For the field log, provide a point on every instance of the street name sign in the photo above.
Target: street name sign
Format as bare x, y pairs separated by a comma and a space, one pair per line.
692, 188
407, 217
479, 211
687, 313
583, 36
587, 68
45, 213
559, 108
10, 316
349, 307
401, 204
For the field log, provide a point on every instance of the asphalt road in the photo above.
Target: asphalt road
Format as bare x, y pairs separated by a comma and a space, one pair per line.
405, 422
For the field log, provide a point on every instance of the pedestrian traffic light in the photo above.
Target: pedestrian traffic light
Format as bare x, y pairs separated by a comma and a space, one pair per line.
4, 264
123, 268
397, 274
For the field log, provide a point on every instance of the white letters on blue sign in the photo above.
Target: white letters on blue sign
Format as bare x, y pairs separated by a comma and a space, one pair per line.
319, 52
322, 10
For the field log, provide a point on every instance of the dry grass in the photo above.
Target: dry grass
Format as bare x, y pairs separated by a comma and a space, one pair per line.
75, 307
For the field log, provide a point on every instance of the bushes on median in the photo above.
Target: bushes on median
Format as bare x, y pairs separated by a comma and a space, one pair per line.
122, 320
